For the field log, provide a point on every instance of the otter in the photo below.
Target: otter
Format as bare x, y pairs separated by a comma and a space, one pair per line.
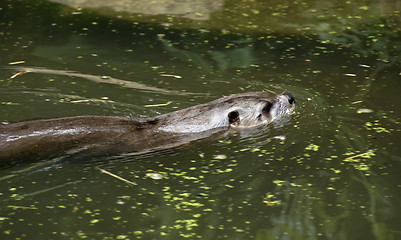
113, 135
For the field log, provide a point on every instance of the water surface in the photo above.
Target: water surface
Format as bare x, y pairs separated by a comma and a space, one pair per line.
330, 172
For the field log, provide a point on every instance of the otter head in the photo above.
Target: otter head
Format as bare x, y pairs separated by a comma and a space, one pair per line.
239, 111
258, 108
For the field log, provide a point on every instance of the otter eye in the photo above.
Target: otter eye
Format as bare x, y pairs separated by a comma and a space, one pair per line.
233, 117
267, 107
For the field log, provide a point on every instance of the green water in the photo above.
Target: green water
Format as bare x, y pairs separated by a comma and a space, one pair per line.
331, 172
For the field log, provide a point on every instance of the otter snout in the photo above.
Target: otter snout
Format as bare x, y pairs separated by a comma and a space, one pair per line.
291, 99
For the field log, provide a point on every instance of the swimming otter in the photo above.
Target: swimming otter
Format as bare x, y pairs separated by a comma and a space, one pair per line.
98, 135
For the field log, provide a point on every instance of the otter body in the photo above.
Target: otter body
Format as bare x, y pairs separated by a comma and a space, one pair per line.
101, 135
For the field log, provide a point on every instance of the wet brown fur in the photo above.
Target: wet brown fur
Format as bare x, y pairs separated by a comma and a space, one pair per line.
108, 135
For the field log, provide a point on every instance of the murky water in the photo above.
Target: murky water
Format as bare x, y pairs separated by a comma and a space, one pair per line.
331, 172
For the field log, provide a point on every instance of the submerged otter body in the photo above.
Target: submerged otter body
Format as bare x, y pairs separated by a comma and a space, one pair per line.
108, 135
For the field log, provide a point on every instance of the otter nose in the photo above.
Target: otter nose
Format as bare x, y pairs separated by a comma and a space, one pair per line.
291, 99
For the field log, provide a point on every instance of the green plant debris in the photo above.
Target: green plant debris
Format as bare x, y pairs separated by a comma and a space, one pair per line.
336, 171
188, 224
271, 200
375, 126
121, 237
219, 171
23, 207
361, 167
359, 161
10, 103
93, 221
312, 147
115, 176
354, 158
279, 183
170, 75
159, 105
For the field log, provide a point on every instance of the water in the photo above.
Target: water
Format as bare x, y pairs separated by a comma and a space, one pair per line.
330, 172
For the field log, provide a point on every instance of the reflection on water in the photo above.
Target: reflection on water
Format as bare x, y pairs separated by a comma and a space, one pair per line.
331, 171
239, 55
193, 9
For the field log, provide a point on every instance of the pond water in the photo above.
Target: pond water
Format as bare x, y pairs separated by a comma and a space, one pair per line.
331, 172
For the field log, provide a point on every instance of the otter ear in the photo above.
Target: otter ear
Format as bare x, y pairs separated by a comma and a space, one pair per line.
233, 117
